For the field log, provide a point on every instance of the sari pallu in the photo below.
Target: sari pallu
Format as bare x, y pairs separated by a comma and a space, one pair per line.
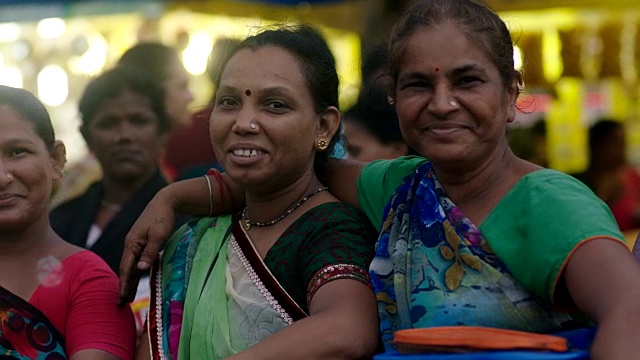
433, 267
25, 332
213, 296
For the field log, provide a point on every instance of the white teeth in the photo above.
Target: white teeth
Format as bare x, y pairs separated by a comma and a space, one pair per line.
246, 152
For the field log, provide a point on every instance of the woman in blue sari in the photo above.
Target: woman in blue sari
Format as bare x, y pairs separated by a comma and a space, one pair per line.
470, 234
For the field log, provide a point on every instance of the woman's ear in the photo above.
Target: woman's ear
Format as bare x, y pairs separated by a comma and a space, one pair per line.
58, 159
329, 123
513, 92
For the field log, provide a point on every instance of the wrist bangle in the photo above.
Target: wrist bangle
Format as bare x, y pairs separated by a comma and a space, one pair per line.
210, 195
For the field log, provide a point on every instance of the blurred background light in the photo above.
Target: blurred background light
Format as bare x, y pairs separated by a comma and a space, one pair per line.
517, 58
9, 32
53, 85
196, 54
11, 76
93, 59
51, 28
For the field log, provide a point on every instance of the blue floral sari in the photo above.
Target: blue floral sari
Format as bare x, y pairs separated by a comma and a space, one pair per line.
433, 267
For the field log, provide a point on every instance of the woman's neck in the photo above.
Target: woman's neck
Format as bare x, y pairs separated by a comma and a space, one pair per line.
20, 244
262, 207
476, 191
117, 193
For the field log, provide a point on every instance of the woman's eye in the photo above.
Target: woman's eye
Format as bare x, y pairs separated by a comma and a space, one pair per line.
141, 120
17, 151
105, 123
226, 101
467, 80
277, 105
415, 85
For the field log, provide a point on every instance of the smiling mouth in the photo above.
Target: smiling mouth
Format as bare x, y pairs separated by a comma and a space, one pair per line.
247, 152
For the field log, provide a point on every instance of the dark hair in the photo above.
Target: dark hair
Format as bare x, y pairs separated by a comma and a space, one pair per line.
31, 109
374, 61
373, 112
601, 130
316, 62
476, 19
155, 58
112, 83
219, 53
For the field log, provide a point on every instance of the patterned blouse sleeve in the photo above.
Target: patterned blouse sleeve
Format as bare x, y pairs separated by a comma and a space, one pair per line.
340, 247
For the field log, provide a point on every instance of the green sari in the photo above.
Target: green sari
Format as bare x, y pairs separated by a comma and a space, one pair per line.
213, 296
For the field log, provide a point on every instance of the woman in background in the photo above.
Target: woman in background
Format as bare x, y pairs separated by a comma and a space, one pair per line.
371, 128
125, 124
57, 301
610, 175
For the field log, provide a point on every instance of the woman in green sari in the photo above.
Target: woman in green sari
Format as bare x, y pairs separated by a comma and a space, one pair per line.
474, 235
292, 266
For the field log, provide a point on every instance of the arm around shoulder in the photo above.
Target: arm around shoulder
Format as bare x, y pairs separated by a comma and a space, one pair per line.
342, 178
603, 280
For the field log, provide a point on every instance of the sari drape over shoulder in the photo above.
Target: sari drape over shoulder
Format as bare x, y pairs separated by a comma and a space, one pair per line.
225, 274
433, 267
25, 332
213, 295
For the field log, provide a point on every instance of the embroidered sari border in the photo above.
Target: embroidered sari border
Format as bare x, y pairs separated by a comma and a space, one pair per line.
154, 315
335, 272
266, 277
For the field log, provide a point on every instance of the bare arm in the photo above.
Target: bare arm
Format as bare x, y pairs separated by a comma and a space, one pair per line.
343, 325
143, 352
604, 281
93, 354
156, 223
342, 177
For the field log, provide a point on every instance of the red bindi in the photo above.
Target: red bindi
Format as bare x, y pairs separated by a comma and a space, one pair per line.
437, 69
247, 92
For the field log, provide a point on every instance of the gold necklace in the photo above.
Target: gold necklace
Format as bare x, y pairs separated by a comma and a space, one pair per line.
247, 223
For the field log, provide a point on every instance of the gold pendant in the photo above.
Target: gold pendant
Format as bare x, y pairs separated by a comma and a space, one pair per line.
247, 224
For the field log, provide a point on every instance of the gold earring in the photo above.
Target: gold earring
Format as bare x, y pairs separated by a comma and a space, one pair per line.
390, 99
322, 144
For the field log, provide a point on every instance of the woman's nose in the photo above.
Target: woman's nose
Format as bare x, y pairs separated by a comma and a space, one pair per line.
442, 102
246, 122
6, 177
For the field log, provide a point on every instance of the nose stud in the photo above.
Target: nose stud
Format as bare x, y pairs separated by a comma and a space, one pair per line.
253, 126
453, 103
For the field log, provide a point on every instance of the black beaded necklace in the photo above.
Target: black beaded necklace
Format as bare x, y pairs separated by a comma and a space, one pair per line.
247, 223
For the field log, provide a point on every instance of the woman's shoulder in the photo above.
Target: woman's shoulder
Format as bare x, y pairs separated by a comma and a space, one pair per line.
85, 267
552, 181
394, 167
333, 212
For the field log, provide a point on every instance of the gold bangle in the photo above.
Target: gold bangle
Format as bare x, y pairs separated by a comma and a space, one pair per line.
210, 195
